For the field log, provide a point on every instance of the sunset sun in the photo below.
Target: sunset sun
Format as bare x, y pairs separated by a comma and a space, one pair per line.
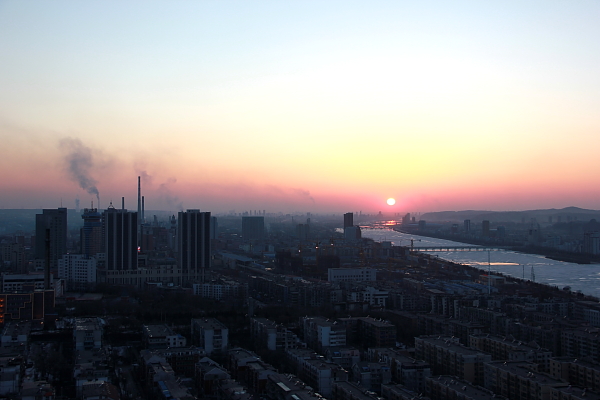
391, 201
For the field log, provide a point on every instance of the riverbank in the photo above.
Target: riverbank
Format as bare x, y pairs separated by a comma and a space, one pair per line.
583, 278
553, 254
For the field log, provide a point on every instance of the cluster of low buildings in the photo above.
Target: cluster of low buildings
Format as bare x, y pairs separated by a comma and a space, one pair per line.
399, 325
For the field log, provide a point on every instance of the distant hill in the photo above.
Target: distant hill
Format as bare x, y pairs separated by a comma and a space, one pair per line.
543, 216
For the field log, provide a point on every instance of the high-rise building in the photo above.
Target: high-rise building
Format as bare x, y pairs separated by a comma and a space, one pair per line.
348, 220
51, 225
352, 233
253, 228
485, 228
214, 233
302, 231
591, 242
13, 256
91, 233
406, 219
193, 244
121, 242
467, 225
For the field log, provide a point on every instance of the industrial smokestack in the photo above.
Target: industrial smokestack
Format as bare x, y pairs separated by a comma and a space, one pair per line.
123, 202
139, 209
143, 210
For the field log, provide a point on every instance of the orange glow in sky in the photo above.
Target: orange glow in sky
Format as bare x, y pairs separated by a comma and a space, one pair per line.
296, 107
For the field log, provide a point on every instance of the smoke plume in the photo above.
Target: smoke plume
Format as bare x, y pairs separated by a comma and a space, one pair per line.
146, 178
304, 194
166, 194
80, 162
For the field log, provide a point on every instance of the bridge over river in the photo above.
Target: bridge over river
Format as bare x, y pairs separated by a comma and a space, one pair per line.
426, 249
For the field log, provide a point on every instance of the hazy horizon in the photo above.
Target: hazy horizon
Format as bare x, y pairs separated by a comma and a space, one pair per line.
303, 212
301, 106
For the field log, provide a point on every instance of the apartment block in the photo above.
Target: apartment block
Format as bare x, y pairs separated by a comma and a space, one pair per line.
405, 370
161, 337
349, 391
316, 371
23, 282
370, 332
221, 290
209, 334
448, 357
507, 348
286, 386
76, 270
351, 274
321, 375
520, 381
269, 335
320, 333
580, 342
546, 334
394, 391
369, 295
578, 372
209, 375
87, 334
572, 393
371, 375
448, 387
495, 322
183, 360
345, 357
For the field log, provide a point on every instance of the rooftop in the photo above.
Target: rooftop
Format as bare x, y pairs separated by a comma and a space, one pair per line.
459, 386
157, 331
208, 323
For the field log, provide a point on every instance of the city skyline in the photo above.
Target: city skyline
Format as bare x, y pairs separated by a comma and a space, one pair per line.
302, 106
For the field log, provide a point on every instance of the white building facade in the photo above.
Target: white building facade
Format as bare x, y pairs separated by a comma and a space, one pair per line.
351, 274
75, 268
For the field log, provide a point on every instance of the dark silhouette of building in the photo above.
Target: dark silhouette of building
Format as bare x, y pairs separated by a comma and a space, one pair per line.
12, 254
214, 228
406, 219
51, 225
591, 242
193, 244
348, 220
485, 228
91, 232
253, 228
302, 231
121, 239
288, 263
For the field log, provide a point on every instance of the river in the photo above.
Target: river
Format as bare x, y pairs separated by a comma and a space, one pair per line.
580, 277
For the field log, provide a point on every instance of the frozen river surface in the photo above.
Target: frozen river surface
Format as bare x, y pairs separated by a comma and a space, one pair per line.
583, 277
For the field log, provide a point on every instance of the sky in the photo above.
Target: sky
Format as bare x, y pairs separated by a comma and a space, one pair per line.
300, 106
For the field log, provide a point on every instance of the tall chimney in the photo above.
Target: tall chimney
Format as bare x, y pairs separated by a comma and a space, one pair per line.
143, 211
123, 202
139, 209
